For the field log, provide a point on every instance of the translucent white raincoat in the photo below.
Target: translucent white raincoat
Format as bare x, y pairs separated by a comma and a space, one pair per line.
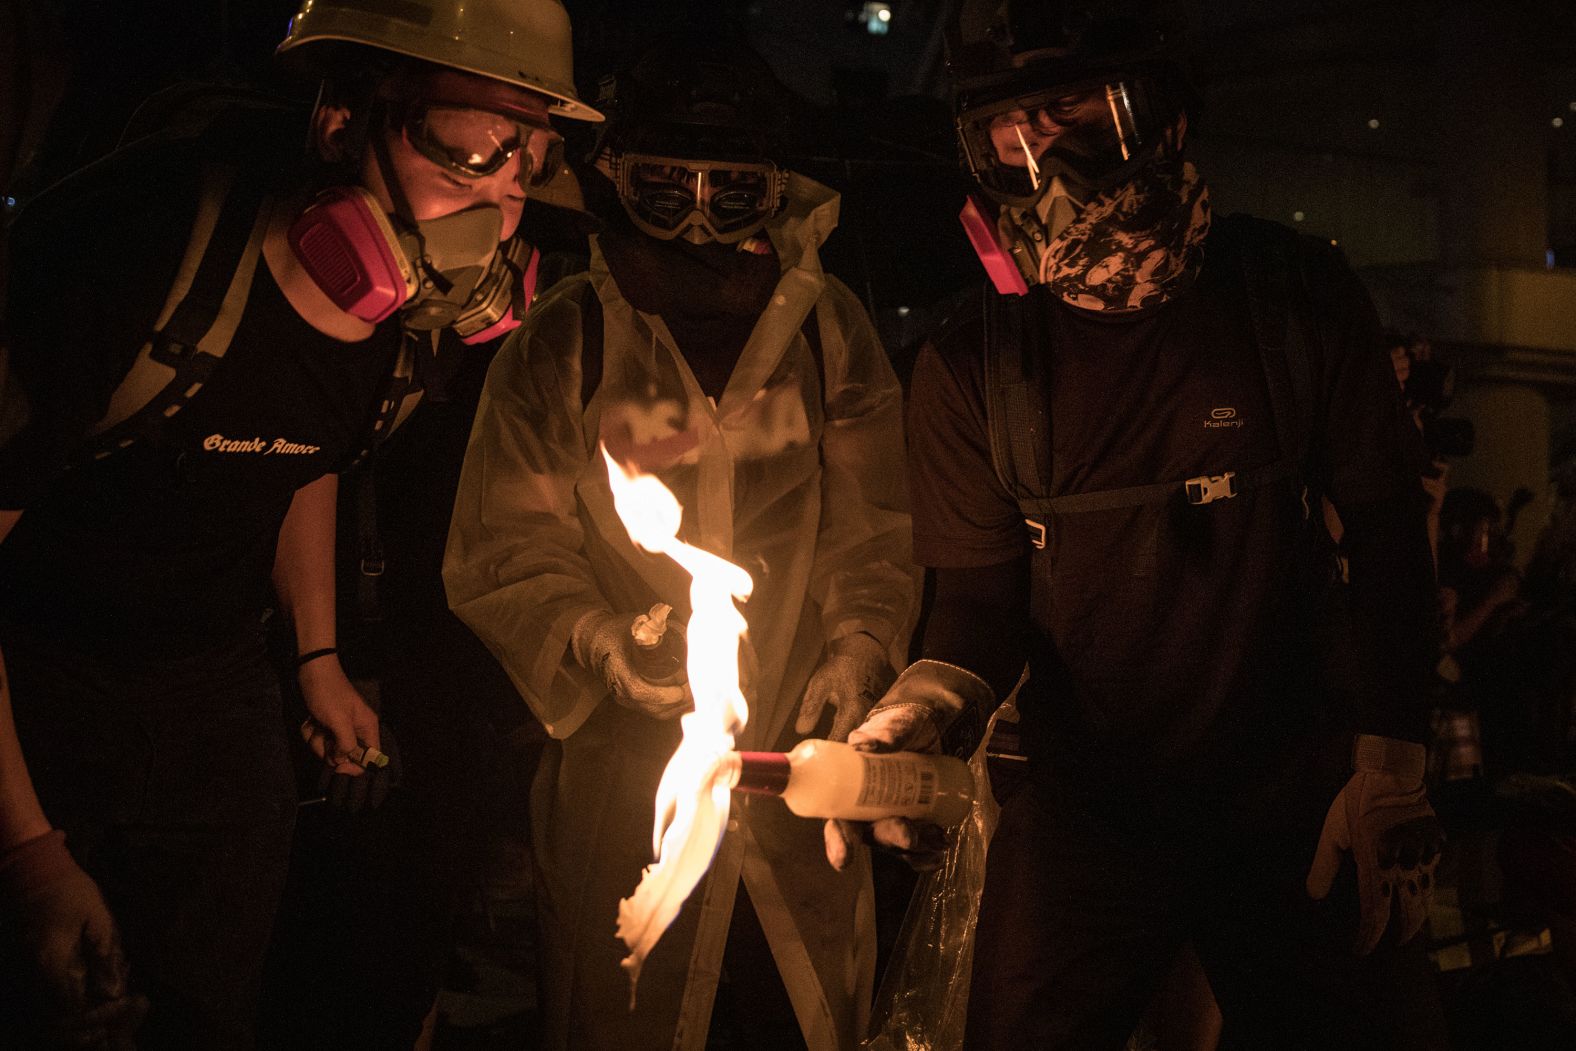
797, 474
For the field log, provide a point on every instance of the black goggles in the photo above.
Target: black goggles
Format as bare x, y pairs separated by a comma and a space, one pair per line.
1015, 146
476, 143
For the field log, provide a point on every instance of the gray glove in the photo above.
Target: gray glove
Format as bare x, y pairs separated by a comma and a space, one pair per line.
603, 645
855, 672
54, 914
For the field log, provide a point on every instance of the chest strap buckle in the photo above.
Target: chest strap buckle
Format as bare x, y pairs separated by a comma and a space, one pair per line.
1207, 488
1036, 533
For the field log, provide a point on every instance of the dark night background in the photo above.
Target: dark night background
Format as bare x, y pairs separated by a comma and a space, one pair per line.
1433, 140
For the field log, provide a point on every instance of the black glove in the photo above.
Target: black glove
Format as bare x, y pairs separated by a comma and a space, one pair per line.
352, 795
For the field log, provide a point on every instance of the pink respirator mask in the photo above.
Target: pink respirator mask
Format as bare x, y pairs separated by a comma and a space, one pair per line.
449, 272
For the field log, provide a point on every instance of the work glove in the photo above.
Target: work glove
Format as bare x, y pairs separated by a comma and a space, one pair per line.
351, 795
77, 975
603, 645
1383, 819
855, 672
911, 717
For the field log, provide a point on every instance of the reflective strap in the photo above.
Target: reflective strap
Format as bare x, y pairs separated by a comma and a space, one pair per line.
147, 377
193, 336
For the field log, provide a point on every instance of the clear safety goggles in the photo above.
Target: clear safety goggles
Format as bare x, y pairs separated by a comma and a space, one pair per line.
476, 143
724, 200
1015, 146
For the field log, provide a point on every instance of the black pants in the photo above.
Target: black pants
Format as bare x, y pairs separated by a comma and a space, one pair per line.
172, 782
1085, 906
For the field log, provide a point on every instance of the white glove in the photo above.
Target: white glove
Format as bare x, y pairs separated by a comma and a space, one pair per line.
912, 716
1383, 818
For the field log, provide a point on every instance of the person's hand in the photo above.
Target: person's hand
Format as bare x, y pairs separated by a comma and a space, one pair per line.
351, 795
855, 672
924, 701
340, 725
603, 645
1383, 818
77, 978
898, 727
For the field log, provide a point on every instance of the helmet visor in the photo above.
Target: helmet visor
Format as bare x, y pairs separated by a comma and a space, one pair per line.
1015, 146
726, 199
476, 143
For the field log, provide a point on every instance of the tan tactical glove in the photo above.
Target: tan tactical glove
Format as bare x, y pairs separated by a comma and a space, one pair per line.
912, 717
853, 675
1383, 818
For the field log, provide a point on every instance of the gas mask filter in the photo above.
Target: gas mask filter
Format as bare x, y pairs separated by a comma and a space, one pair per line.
448, 272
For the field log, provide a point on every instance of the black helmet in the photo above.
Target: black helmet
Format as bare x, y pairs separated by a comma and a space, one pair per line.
1044, 89
694, 140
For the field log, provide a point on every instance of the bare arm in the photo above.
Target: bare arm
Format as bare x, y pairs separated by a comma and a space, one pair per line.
304, 582
304, 564
21, 816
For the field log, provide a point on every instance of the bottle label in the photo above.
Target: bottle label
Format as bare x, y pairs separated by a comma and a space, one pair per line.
897, 781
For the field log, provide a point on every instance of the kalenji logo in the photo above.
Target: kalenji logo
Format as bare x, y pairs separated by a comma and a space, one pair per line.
218, 443
1223, 417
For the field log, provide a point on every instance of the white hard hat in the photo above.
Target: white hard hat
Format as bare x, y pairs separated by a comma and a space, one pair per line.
521, 42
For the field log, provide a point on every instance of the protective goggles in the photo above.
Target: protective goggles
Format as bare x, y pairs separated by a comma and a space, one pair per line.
1093, 132
723, 201
476, 143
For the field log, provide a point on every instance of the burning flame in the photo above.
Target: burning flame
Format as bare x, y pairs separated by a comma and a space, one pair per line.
693, 796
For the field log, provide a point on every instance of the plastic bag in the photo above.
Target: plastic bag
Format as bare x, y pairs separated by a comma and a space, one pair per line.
924, 995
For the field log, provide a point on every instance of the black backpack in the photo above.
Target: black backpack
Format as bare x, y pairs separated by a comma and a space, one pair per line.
205, 302
1267, 258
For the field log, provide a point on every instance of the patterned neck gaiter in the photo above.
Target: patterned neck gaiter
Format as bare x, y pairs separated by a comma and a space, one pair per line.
1135, 246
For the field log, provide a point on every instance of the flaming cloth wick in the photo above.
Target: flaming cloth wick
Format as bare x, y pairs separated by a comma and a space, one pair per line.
693, 796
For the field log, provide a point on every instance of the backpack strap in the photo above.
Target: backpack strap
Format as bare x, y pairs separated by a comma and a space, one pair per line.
1015, 410
199, 317
1019, 421
402, 392
1275, 282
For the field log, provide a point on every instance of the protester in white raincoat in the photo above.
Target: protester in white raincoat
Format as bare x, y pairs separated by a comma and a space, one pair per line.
756, 388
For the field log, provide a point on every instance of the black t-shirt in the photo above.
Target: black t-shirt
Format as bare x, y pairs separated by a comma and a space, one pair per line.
1160, 631
168, 545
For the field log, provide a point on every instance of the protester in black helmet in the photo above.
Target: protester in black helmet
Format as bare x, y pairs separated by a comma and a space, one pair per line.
707, 344
1113, 460
151, 496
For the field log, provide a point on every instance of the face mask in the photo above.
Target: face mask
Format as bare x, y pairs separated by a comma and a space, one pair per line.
445, 272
